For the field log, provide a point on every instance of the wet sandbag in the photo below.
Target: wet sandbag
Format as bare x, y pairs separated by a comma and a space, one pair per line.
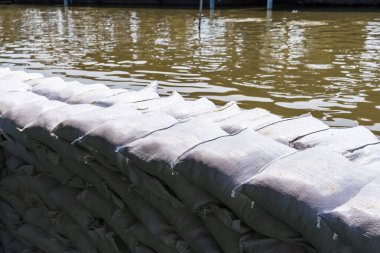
157, 152
43, 219
253, 243
187, 224
314, 181
338, 140
41, 240
8, 217
107, 138
41, 128
156, 104
92, 96
186, 109
80, 124
15, 202
221, 165
289, 130
228, 110
357, 221
250, 119
10, 244
149, 92
15, 119
145, 212
12, 99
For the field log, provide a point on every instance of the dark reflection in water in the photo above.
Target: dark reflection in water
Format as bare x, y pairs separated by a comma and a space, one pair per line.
290, 62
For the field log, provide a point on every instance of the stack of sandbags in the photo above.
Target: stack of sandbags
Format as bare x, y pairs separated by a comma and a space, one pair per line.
102, 170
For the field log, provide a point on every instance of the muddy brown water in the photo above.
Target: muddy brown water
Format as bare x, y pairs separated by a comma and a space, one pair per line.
290, 62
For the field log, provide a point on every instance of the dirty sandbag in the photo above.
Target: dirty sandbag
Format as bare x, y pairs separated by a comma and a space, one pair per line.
156, 104
43, 220
228, 110
315, 182
187, 224
92, 96
338, 140
12, 99
80, 124
357, 221
41, 240
249, 119
15, 119
220, 165
65, 199
41, 128
107, 138
189, 108
15, 202
106, 241
287, 131
253, 243
8, 217
227, 238
146, 213
157, 152
149, 92
65, 226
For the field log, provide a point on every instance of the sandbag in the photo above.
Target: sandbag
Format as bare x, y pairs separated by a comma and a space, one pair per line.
357, 221
149, 92
50, 80
367, 155
12, 99
92, 96
303, 185
41, 240
287, 131
8, 217
69, 91
228, 110
158, 151
250, 119
107, 138
20, 75
80, 124
12, 84
338, 140
156, 104
15, 202
188, 225
186, 109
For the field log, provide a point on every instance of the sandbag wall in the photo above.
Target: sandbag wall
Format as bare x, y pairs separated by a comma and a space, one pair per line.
93, 169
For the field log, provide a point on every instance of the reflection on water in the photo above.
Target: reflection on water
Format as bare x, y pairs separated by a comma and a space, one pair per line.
289, 62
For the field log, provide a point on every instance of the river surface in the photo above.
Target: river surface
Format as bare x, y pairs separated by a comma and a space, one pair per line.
290, 62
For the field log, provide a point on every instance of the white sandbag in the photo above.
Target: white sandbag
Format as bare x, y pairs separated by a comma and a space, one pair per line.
186, 109
10, 84
80, 124
108, 138
41, 240
156, 104
47, 80
75, 89
250, 119
367, 155
149, 92
357, 221
287, 131
314, 181
338, 140
221, 165
21, 76
92, 96
228, 110
4, 71
41, 128
157, 152
12, 99
15, 119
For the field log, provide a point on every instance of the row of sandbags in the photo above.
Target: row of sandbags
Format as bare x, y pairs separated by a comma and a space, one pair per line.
195, 167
